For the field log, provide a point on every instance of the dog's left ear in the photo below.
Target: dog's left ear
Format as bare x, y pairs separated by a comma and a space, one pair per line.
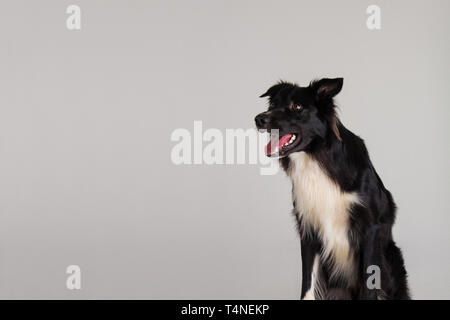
327, 88
273, 90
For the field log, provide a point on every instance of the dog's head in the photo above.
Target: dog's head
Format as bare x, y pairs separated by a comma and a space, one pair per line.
302, 115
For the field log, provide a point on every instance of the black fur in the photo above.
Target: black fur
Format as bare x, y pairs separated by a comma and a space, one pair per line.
310, 114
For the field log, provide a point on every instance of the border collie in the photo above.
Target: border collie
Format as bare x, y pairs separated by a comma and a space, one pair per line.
344, 213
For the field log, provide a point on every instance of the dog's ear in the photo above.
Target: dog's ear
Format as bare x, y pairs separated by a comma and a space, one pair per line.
327, 88
273, 90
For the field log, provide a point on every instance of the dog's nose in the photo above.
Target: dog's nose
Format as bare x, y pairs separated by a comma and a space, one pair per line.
262, 121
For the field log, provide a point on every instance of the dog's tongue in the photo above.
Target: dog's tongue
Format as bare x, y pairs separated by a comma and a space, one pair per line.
275, 144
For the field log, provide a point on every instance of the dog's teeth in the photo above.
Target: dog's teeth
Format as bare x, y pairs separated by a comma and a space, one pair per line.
290, 140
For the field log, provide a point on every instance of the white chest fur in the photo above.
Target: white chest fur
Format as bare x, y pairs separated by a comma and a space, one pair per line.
325, 208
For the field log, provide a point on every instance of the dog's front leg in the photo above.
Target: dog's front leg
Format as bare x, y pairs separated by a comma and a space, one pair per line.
310, 250
372, 250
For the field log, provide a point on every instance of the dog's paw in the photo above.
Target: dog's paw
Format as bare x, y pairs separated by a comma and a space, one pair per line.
338, 294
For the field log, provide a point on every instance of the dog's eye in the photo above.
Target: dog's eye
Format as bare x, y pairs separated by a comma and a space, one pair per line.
296, 107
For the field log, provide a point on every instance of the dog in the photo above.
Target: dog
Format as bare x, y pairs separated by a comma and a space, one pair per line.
343, 211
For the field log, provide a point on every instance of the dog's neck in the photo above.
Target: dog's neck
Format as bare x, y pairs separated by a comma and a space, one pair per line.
334, 159
320, 152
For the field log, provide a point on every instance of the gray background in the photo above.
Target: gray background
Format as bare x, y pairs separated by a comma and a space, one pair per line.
85, 123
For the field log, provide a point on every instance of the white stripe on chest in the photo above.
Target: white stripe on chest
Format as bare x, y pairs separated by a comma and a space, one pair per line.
325, 208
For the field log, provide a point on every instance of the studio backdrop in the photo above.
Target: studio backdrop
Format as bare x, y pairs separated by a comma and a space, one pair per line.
129, 157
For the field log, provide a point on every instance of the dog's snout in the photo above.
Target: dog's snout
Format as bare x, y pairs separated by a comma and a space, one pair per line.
262, 121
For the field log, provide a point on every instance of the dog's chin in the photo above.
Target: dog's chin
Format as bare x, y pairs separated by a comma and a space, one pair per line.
285, 145
283, 154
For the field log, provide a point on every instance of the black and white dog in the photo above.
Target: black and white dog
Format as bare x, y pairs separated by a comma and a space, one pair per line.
344, 212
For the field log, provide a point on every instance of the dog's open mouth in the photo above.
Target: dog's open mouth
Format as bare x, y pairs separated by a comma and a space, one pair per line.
278, 146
